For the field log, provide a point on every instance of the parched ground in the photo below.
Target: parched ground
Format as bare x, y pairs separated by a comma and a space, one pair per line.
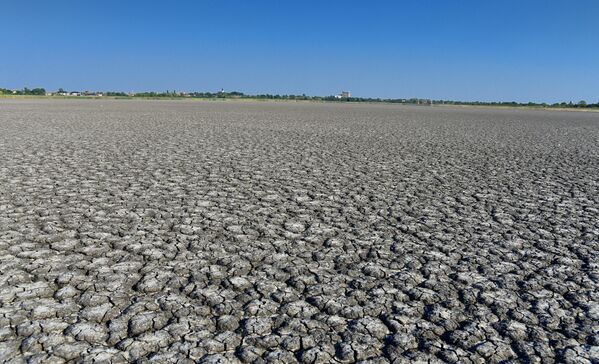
169, 231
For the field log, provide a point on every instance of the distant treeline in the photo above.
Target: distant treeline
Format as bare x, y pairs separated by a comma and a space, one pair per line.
241, 95
24, 91
579, 104
412, 101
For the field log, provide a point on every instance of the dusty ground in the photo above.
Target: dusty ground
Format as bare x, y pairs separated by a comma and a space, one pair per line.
281, 232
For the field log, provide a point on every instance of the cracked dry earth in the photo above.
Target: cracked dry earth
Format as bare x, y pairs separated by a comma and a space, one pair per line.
225, 232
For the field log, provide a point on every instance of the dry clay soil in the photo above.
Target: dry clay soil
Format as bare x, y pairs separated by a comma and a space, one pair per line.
217, 232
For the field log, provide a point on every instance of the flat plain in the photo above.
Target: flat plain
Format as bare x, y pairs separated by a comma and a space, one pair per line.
174, 231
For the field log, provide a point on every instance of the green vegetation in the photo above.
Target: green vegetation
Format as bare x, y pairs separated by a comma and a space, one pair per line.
240, 95
24, 91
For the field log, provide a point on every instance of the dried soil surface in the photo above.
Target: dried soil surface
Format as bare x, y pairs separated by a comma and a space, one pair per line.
216, 232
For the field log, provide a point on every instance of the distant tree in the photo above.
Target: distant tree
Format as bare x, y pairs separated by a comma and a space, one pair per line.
582, 103
113, 93
38, 91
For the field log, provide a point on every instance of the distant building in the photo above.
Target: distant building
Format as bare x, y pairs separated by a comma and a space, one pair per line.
343, 95
92, 93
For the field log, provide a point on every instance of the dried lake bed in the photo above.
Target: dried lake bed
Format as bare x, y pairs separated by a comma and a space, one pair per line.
218, 232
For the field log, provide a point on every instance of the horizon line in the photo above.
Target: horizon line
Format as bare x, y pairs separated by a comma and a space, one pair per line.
222, 92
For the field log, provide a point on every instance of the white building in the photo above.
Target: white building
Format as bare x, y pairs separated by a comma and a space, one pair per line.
343, 95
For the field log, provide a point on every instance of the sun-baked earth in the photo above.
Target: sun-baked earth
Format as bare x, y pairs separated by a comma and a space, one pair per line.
217, 232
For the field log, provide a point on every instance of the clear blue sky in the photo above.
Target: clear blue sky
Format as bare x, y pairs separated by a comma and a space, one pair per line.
528, 50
